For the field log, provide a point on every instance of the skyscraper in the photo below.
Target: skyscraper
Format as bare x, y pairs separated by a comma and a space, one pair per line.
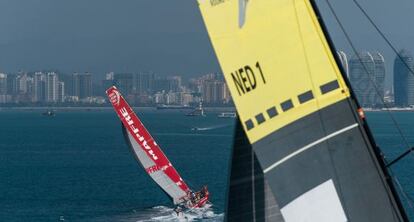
39, 88
82, 85
3, 84
61, 92
143, 83
168, 84
379, 69
21, 83
344, 62
404, 79
367, 74
107, 82
214, 92
52, 87
124, 82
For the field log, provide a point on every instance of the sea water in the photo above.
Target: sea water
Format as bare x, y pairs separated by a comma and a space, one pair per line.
75, 166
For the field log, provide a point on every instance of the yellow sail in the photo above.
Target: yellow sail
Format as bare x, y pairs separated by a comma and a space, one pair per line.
309, 156
283, 70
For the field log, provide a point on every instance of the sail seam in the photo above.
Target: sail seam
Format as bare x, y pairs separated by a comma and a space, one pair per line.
323, 139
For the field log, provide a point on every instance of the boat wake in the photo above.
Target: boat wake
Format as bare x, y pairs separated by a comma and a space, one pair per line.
209, 128
163, 213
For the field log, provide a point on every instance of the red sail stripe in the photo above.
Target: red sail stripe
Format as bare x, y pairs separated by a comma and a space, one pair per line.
135, 127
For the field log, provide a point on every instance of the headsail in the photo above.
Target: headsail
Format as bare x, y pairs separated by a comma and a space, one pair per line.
146, 150
299, 117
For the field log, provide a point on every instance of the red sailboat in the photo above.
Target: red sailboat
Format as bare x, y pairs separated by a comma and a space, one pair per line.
153, 160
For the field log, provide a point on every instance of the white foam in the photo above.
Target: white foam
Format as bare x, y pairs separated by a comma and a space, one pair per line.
163, 213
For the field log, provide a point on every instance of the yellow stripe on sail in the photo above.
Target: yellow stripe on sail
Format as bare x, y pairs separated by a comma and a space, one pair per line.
275, 59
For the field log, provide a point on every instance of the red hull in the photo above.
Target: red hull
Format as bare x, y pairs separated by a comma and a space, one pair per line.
199, 203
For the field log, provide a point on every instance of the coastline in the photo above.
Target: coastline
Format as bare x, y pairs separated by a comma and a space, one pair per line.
105, 108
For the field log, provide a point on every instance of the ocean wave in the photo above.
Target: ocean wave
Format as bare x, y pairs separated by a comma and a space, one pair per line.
163, 213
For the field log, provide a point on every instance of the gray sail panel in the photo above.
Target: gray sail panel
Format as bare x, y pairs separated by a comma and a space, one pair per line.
168, 186
341, 166
158, 175
249, 195
141, 156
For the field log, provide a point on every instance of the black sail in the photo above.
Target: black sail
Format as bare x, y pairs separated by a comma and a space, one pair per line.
302, 150
249, 194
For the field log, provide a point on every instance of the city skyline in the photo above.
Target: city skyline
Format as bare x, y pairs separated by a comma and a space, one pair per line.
141, 88
365, 70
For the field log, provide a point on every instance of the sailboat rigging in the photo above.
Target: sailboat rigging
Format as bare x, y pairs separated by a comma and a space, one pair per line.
152, 159
309, 151
398, 54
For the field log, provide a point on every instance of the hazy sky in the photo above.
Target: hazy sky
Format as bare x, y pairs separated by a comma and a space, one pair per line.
165, 36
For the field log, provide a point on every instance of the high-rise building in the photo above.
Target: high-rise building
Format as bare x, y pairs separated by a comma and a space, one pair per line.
143, 83
404, 79
367, 74
344, 61
3, 84
21, 83
214, 92
379, 62
52, 87
109, 76
11, 84
39, 87
170, 84
82, 85
107, 82
61, 91
176, 84
124, 82
161, 84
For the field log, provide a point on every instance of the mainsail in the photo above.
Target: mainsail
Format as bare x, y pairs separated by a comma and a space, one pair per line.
146, 150
308, 154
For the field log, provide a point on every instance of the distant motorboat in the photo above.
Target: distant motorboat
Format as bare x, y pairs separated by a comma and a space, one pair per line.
49, 113
199, 111
201, 128
227, 115
164, 106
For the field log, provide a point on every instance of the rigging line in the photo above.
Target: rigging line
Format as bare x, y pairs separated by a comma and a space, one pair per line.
400, 157
405, 64
409, 150
366, 70
410, 201
383, 36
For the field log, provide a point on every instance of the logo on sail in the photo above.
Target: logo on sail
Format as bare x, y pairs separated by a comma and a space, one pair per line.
143, 142
114, 97
242, 12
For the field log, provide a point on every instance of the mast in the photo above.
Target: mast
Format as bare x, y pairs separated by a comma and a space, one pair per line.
376, 149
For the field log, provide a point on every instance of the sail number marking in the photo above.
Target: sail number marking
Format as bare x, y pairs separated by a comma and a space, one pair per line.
153, 169
246, 78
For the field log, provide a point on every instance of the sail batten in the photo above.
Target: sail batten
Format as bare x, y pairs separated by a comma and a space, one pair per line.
299, 118
313, 144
